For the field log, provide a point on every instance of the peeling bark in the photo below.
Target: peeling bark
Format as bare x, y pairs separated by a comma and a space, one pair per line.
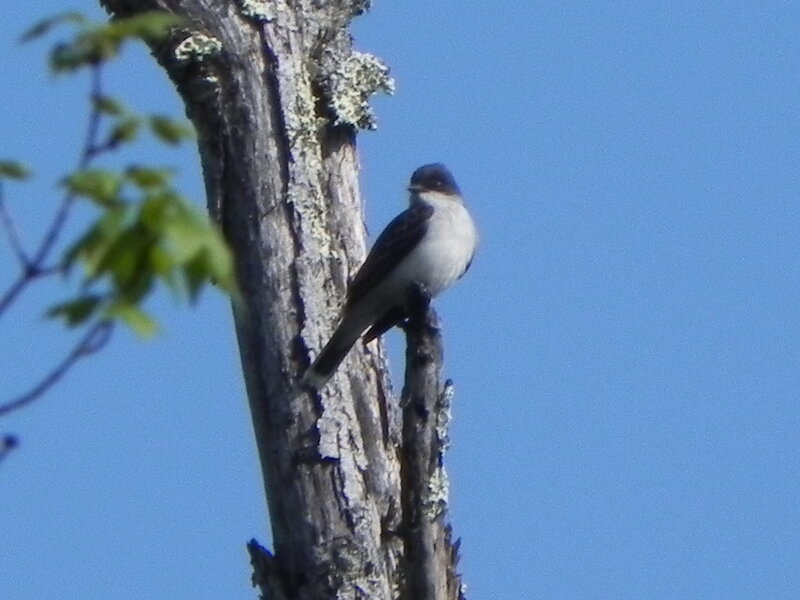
277, 145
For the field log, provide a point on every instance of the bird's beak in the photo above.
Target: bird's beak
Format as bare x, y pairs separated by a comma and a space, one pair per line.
415, 188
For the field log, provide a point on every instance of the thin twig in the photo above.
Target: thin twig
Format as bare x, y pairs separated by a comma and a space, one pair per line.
7, 444
13, 291
92, 341
90, 148
30, 273
33, 267
87, 154
11, 232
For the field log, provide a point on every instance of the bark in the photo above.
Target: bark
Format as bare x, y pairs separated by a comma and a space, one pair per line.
430, 557
273, 91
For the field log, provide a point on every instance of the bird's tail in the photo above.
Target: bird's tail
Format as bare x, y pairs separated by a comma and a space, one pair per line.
331, 357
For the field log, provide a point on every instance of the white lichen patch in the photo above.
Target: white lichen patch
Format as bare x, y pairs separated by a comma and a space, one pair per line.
438, 490
356, 79
305, 201
197, 47
438, 493
301, 123
444, 415
258, 10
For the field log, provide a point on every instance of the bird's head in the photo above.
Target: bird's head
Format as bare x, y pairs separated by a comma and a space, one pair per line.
434, 179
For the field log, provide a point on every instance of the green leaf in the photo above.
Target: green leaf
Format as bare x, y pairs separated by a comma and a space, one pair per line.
125, 130
110, 106
135, 245
147, 177
97, 43
127, 262
220, 262
184, 239
157, 206
11, 169
163, 265
45, 25
101, 185
77, 311
140, 322
95, 243
88, 48
150, 26
195, 273
100, 43
169, 130
212, 264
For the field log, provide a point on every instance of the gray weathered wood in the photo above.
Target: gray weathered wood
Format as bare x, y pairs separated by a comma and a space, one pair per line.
430, 557
268, 88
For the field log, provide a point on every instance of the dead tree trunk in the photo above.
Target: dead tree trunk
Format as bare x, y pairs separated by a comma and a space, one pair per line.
276, 94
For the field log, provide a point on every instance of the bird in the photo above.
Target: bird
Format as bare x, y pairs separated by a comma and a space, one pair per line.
431, 244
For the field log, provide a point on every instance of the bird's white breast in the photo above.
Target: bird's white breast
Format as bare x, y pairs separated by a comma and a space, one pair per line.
444, 253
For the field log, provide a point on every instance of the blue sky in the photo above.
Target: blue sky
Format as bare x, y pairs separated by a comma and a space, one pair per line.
626, 346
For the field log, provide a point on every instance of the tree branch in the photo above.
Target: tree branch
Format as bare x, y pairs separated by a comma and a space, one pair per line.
93, 340
430, 557
266, 573
11, 232
88, 152
33, 267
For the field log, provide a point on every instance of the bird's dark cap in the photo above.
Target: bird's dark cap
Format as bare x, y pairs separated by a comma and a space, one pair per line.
433, 178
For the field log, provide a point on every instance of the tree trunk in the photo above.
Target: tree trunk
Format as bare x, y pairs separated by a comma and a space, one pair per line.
276, 94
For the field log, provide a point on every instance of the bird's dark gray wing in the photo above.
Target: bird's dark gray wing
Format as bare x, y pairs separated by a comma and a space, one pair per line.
392, 246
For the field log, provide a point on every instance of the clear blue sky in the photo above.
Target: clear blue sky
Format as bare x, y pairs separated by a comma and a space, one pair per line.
626, 347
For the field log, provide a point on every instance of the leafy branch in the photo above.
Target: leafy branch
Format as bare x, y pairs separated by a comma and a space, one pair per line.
145, 233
